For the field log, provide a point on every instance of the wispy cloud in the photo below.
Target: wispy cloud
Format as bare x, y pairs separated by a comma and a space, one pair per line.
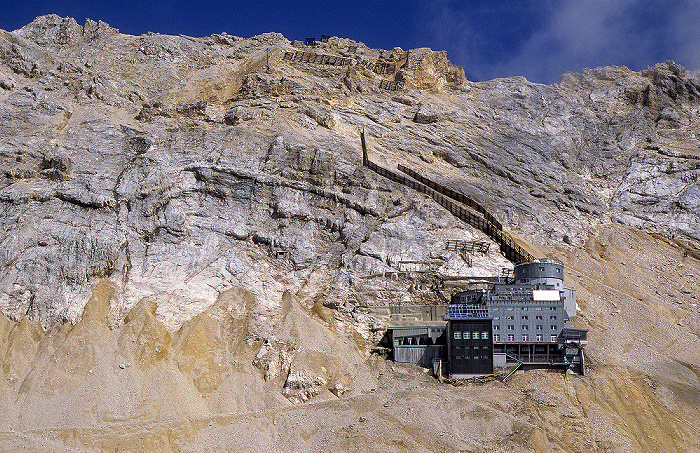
571, 35
686, 24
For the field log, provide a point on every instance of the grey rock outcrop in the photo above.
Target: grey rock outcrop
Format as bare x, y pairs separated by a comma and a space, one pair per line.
660, 193
280, 165
425, 116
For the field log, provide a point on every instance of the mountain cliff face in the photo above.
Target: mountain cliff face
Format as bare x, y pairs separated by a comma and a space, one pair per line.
191, 246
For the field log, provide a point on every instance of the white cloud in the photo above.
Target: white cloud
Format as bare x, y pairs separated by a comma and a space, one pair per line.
577, 34
687, 36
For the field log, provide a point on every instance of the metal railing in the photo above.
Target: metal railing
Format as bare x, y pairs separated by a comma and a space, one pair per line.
309, 57
514, 369
443, 196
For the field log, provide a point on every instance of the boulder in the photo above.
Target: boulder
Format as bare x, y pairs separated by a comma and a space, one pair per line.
425, 115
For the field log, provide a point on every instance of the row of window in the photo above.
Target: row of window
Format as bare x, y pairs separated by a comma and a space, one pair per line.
525, 317
525, 327
524, 337
466, 335
522, 308
475, 357
541, 268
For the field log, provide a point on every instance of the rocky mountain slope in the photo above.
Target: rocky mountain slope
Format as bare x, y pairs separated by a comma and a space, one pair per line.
191, 247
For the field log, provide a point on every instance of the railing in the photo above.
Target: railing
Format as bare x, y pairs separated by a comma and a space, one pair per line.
491, 228
457, 196
308, 57
467, 246
391, 86
514, 369
379, 67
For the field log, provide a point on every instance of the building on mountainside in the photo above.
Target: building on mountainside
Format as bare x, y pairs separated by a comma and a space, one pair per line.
525, 321
528, 313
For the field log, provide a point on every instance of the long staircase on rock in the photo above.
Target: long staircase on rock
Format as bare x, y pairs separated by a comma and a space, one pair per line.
476, 215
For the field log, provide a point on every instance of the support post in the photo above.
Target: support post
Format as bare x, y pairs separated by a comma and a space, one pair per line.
365, 159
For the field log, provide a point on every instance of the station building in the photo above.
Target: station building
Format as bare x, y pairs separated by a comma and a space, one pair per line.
524, 321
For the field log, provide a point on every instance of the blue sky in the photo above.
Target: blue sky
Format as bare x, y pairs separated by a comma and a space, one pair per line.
537, 39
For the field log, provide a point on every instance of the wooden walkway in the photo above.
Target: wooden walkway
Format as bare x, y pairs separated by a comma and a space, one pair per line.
475, 214
467, 246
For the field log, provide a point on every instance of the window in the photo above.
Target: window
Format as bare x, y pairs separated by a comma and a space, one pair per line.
538, 308
509, 318
552, 308
467, 335
538, 317
475, 335
484, 335
541, 269
511, 327
496, 327
496, 318
539, 337
524, 326
553, 327
510, 337
554, 337
538, 327
524, 317
458, 335
524, 337
524, 308
553, 317
496, 337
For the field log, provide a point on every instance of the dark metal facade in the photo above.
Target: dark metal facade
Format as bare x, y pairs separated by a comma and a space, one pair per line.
470, 347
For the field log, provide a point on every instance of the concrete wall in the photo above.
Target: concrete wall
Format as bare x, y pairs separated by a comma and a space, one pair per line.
570, 302
499, 359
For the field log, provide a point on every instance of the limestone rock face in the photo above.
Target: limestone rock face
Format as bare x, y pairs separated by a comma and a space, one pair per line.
132, 143
425, 116
195, 211
660, 192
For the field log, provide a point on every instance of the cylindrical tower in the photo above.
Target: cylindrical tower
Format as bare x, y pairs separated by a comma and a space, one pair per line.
540, 272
